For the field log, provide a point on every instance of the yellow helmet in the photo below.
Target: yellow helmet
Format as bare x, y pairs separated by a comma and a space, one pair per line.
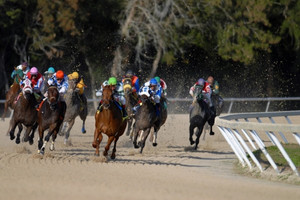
75, 75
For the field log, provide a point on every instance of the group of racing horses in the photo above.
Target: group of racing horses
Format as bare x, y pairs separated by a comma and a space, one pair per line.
56, 115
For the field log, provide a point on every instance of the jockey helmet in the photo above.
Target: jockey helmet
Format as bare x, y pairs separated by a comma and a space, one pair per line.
75, 75
60, 74
34, 71
210, 80
153, 81
51, 70
129, 73
201, 81
112, 81
157, 79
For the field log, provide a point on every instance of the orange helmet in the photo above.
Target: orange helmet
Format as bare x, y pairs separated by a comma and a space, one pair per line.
59, 74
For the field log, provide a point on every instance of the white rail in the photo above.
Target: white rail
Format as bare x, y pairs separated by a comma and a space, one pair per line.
231, 128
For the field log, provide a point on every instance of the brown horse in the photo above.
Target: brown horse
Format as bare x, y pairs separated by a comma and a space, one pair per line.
131, 101
12, 94
24, 114
109, 121
50, 116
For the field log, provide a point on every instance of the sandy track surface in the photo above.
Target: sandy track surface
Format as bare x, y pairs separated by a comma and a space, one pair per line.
172, 170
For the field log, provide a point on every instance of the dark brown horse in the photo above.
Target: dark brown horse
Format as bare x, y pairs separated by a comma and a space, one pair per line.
24, 114
145, 118
109, 121
131, 101
12, 94
75, 106
50, 116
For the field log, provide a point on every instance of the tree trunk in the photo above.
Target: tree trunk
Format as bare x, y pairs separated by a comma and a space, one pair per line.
92, 78
156, 62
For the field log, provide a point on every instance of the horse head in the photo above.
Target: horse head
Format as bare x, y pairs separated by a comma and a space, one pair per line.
107, 96
197, 94
27, 87
127, 86
145, 94
53, 96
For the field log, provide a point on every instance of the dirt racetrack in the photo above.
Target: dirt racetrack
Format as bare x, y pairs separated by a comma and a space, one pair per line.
172, 170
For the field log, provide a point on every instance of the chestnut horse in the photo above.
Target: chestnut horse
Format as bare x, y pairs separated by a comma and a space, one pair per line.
12, 94
24, 114
131, 101
50, 116
109, 121
75, 107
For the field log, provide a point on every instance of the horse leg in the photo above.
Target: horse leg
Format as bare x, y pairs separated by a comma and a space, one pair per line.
63, 129
129, 127
154, 143
106, 149
198, 136
26, 135
54, 135
40, 143
5, 110
31, 136
67, 135
132, 132
47, 138
83, 127
135, 135
113, 154
19, 133
13, 125
97, 140
191, 134
144, 138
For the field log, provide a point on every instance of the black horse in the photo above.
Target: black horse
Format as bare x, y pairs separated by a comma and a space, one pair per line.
145, 119
24, 114
199, 114
50, 116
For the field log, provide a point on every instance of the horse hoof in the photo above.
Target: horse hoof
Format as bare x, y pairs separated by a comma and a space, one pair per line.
112, 157
83, 131
192, 142
97, 154
154, 144
18, 140
30, 142
12, 137
212, 133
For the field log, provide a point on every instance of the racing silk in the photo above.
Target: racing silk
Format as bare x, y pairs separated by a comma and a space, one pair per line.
17, 70
36, 82
216, 87
156, 93
81, 86
62, 87
206, 91
118, 93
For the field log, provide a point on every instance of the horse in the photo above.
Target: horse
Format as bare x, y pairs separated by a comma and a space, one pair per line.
25, 113
131, 101
75, 107
109, 121
50, 116
199, 115
145, 118
12, 93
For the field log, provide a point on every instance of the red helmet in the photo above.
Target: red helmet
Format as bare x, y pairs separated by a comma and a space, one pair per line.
59, 74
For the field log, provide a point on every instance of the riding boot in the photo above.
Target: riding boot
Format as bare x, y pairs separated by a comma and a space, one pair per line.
124, 112
136, 107
157, 106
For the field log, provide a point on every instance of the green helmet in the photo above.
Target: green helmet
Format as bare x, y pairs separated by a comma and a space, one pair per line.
112, 81
157, 79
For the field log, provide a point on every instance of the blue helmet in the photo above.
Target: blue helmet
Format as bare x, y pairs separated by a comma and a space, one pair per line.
51, 70
201, 81
153, 81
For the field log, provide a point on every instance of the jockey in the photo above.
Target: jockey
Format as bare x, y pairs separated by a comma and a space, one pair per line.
118, 93
206, 92
163, 85
154, 91
50, 72
60, 80
23, 67
79, 85
134, 82
37, 81
215, 86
